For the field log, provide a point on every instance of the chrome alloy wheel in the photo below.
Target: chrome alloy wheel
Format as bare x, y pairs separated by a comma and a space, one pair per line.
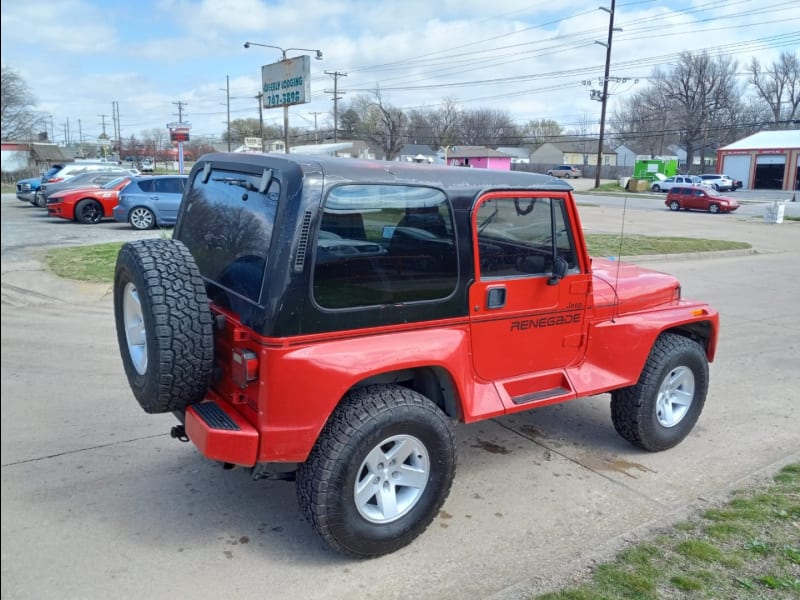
135, 333
391, 479
675, 396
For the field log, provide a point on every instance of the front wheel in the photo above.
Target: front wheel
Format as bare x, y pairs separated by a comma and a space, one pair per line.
88, 212
142, 218
662, 408
713, 208
675, 205
379, 472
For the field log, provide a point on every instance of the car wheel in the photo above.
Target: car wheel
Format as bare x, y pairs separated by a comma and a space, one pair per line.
716, 187
675, 205
88, 212
656, 188
662, 408
39, 200
142, 218
379, 472
713, 208
164, 324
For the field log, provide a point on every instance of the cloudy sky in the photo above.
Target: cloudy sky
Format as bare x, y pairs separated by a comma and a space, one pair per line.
535, 59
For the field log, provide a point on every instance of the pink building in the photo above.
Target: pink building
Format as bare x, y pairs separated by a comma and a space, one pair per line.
478, 157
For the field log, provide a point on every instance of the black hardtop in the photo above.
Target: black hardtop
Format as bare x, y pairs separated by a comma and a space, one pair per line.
461, 182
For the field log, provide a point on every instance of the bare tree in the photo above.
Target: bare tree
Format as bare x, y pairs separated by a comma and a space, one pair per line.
487, 127
540, 131
779, 86
703, 97
444, 124
379, 124
20, 120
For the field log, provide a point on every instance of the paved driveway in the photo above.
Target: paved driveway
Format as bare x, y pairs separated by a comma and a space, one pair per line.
98, 501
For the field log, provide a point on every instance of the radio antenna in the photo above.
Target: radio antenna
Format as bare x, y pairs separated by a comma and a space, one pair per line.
619, 257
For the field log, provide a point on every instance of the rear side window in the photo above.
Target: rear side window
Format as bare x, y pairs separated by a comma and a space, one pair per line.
384, 244
168, 185
227, 226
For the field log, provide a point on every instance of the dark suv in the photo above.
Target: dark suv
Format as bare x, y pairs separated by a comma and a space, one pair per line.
327, 319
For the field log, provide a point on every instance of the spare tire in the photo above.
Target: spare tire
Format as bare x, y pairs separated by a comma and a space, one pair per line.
164, 324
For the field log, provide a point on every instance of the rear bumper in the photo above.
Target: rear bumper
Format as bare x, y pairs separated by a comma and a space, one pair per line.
221, 434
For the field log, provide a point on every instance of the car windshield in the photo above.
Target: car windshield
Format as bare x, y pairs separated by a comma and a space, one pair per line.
113, 183
712, 192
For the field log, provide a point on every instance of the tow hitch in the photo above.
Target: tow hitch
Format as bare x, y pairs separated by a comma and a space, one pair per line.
178, 432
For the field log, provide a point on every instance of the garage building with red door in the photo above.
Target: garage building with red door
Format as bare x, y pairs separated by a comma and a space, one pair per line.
768, 160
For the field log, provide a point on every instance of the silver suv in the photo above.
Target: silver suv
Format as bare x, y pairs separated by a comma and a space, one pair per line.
665, 185
721, 183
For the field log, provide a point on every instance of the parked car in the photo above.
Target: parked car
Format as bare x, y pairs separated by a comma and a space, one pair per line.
721, 183
670, 182
737, 183
566, 171
147, 166
87, 205
699, 198
75, 168
150, 201
26, 188
89, 179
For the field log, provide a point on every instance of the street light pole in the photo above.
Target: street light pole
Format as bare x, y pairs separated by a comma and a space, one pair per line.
604, 99
317, 55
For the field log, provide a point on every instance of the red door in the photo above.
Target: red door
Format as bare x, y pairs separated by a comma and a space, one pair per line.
523, 321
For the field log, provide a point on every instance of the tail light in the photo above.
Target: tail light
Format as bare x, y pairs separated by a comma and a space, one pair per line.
244, 367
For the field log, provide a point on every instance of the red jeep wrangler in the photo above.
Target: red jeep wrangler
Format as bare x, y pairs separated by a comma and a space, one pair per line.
326, 319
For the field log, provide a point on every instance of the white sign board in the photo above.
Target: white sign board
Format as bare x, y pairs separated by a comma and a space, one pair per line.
286, 82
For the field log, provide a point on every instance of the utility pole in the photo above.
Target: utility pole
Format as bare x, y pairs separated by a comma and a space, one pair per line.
336, 98
228, 101
316, 139
259, 97
604, 99
180, 106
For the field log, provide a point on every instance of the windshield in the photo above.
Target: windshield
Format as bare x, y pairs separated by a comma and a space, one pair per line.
113, 183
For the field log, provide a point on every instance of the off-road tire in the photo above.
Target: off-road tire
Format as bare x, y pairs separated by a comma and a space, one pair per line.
675, 365
360, 433
164, 324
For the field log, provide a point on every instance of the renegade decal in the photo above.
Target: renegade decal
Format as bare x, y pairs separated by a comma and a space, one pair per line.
545, 322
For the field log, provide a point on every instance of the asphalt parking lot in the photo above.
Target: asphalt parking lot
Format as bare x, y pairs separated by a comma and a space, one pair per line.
98, 501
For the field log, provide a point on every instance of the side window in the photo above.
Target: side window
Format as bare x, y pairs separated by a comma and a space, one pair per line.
384, 244
515, 236
168, 185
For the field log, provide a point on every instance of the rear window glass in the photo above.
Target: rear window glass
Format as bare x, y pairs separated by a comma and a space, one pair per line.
228, 226
384, 244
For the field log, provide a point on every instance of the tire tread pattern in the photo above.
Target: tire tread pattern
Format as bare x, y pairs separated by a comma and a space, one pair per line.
354, 413
175, 305
632, 418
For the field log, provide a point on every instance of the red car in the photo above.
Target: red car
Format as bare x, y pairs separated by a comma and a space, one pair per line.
699, 198
87, 205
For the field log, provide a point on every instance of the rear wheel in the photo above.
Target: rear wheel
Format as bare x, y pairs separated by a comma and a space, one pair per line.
88, 212
142, 218
662, 408
656, 188
379, 472
713, 208
675, 205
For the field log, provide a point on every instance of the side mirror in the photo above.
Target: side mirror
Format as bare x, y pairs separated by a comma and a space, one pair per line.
560, 268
